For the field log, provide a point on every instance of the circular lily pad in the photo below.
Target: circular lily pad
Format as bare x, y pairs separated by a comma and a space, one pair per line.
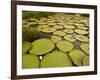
80, 31
68, 31
58, 27
42, 46
33, 19
52, 24
51, 21
32, 24
84, 28
69, 38
77, 56
65, 46
85, 47
59, 33
86, 61
56, 39
30, 61
26, 46
82, 38
77, 24
69, 26
42, 23
56, 59
61, 23
48, 30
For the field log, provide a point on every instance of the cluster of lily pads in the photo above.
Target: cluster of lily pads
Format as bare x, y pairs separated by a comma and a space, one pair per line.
59, 40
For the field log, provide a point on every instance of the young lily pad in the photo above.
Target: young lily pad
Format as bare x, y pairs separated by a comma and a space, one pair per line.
56, 39
59, 33
77, 56
65, 46
68, 31
56, 59
30, 61
85, 47
42, 46
48, 30
69, 38
69, 26
80, 31
82, 38
26, 46
86, 61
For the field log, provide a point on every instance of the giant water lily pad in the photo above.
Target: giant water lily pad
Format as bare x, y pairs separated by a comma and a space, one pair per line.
82, 38
56, 39
77, 24
56, 59
68, 31
48, 30
83, 28
26, 46
58, 27
52, 24
42, 46
86, 61
85, 47
59, 33
65, 46
30, 61
69, 26
80, 31
77, 56
42, 23
69, 38
61, 23
32, 24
